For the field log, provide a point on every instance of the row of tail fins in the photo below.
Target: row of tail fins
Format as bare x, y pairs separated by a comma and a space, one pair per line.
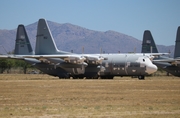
149, 46
45, 43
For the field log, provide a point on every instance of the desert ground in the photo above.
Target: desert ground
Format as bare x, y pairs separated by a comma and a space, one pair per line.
43, 96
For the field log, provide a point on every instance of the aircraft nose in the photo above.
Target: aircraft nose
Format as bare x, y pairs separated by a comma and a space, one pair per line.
151, 68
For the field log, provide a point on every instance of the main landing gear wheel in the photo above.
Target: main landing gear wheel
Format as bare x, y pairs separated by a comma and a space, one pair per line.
141, 77
107, 77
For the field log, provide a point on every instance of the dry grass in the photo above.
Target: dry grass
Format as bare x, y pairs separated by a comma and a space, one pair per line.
24, 96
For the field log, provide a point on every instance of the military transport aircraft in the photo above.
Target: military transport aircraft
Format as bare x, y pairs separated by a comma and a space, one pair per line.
59, 63
170, 65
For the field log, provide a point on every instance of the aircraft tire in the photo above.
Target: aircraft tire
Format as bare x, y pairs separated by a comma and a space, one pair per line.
64, 77
75, 77
81, 77
141, 77
95, 77
88, 77
107, 77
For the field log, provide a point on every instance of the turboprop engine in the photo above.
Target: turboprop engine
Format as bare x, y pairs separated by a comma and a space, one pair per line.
95, 60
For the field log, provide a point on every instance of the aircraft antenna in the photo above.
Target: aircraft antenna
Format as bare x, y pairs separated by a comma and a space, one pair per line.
135, 50
83, 50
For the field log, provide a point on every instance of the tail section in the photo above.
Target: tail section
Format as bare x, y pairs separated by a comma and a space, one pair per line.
177, 45
148, 44
22, 43
44, 41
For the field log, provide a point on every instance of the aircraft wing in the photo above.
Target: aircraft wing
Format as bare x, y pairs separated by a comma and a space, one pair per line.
170, 60
153, 55
93, 59
3, 56
11, 57
156, 54
75, 59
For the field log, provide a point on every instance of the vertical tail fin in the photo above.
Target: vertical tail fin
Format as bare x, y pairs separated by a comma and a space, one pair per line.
44, 41
148, 44
177, 45
22, 43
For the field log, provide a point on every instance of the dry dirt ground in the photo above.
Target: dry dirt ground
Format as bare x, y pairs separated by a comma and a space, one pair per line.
43, 96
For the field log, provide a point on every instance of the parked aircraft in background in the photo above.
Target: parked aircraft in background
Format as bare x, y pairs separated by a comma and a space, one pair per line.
23, 47
55, 62
171, 65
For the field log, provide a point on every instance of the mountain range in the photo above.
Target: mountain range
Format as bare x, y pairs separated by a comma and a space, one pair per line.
69, 37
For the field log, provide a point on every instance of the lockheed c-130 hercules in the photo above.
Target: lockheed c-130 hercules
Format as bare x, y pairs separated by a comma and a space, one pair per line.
52, 61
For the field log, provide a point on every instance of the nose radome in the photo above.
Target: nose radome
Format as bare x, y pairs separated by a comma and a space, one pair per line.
151, 68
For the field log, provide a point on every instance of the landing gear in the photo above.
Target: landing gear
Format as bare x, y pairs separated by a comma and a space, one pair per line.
95, 77
64, 76
107, 77
141, 77
92, 77
78, 77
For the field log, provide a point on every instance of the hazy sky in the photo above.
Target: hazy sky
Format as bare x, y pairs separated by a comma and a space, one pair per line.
131, 17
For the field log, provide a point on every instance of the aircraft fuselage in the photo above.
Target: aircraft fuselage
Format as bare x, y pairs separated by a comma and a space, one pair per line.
112, 65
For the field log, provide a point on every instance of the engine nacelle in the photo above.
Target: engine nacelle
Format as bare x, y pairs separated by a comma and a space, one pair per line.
44, 60
94, 60
75, 60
